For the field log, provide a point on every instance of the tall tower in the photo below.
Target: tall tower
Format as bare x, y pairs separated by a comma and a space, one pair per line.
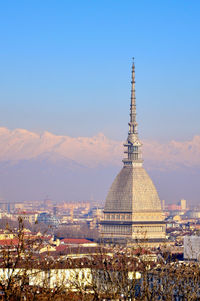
132, 210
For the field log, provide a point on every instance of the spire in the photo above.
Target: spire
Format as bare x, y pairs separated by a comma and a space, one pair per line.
133, 144
133, 123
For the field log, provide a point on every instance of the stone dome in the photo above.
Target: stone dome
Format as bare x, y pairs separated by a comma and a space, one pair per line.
132, 191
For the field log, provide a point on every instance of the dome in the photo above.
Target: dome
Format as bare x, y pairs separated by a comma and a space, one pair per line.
132, 191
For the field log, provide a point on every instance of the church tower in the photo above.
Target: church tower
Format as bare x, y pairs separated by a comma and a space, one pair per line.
132, 210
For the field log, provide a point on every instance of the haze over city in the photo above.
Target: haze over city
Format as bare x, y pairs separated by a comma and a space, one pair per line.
65, 93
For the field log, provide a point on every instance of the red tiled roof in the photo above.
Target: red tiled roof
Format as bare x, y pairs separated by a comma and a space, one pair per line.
27, 212
9, 242
61, 248
75, 241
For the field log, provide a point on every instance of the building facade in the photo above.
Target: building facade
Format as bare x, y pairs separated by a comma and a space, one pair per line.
133, 210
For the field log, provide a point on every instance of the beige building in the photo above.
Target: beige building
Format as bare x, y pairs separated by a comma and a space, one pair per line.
133, 210
183, 204
28, 217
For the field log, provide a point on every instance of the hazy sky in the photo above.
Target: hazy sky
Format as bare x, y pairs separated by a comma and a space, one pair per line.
66, 66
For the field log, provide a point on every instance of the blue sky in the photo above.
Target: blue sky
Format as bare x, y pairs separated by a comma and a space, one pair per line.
66, 67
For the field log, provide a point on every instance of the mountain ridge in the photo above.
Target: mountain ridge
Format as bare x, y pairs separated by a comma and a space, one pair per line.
68, 168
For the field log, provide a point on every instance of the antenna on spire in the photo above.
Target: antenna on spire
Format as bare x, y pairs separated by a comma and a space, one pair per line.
133, 102
133, 63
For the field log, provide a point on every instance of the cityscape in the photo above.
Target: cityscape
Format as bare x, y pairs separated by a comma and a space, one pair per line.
99, 151
78, 220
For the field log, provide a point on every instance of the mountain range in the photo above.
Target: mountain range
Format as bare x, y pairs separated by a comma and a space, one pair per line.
33, 166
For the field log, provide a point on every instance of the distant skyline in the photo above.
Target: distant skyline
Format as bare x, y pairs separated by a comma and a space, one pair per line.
66, 67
